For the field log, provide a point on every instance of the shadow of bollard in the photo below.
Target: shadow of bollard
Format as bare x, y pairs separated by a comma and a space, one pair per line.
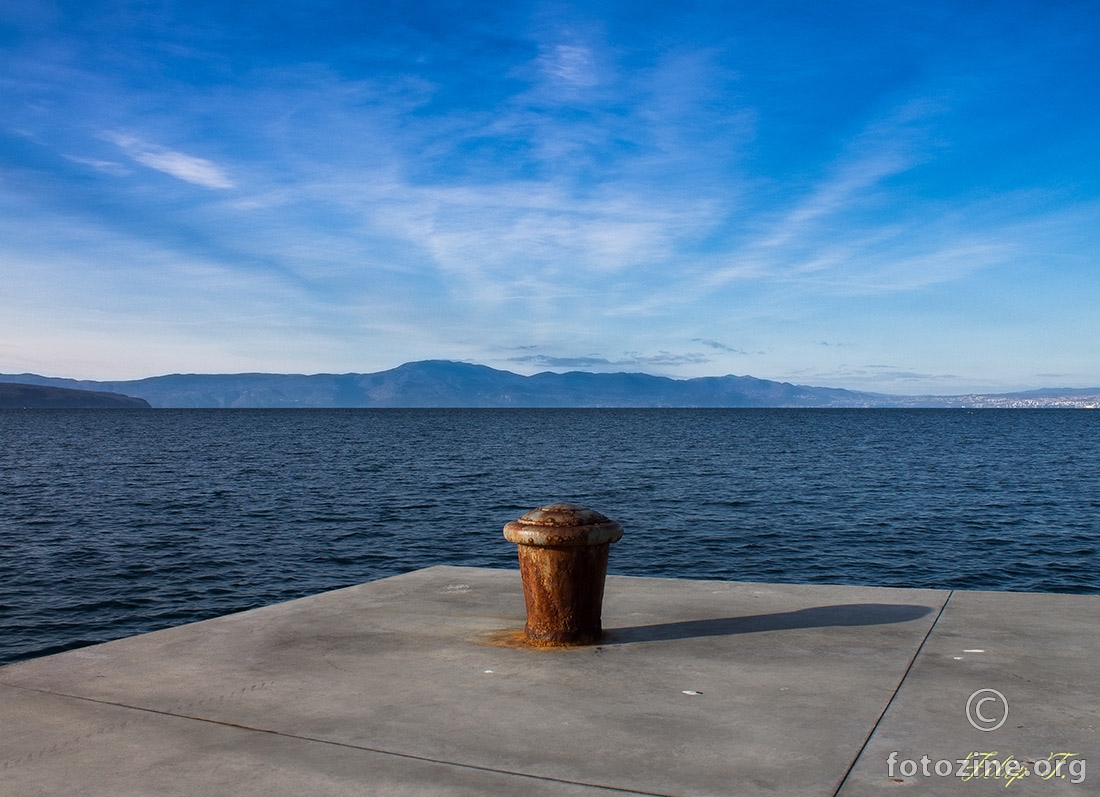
847, 614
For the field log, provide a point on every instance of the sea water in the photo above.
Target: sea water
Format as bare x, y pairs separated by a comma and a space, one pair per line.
116, 522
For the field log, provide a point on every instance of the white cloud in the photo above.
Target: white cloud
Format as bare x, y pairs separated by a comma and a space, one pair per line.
496, 243
570, 64
108, 167
836, 194
720, 346
855, 230
632, 359
190, 169
185, 167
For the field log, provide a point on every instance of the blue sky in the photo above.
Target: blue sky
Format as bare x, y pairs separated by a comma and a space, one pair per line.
892, 196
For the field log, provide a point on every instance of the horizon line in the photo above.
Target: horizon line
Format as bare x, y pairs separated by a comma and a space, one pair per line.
6, 377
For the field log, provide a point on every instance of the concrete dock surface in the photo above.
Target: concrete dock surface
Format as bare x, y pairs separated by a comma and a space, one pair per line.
419, 685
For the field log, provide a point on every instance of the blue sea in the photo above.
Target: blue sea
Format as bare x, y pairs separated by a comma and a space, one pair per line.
117, 522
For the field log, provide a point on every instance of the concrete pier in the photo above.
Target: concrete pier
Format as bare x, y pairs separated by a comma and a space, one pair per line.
421, 685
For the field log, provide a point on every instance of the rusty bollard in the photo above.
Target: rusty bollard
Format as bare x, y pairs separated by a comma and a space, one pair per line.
563, 562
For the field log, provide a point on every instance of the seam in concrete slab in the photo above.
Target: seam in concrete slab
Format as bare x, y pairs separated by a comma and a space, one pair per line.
890, 702
410, 756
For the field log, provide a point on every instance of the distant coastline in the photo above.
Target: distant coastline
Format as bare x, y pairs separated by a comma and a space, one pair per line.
444, 383
16, 395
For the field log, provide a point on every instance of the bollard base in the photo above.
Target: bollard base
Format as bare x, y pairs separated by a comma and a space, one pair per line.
563, 590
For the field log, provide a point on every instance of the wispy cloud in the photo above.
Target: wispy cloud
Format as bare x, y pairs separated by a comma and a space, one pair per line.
629, 359
686, 190
852, 231
570, 64
883, 375
190, 169
549, 361
105, 166
715, 344
886, 147
668, 358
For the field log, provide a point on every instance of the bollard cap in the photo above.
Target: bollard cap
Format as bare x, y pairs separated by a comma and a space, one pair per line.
563, 525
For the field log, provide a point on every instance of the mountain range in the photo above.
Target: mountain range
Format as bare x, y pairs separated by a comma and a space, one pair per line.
444, 383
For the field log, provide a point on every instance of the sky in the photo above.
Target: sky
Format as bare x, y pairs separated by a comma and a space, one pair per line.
893, 196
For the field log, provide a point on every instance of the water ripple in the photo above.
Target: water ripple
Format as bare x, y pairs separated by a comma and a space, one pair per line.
119, 522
